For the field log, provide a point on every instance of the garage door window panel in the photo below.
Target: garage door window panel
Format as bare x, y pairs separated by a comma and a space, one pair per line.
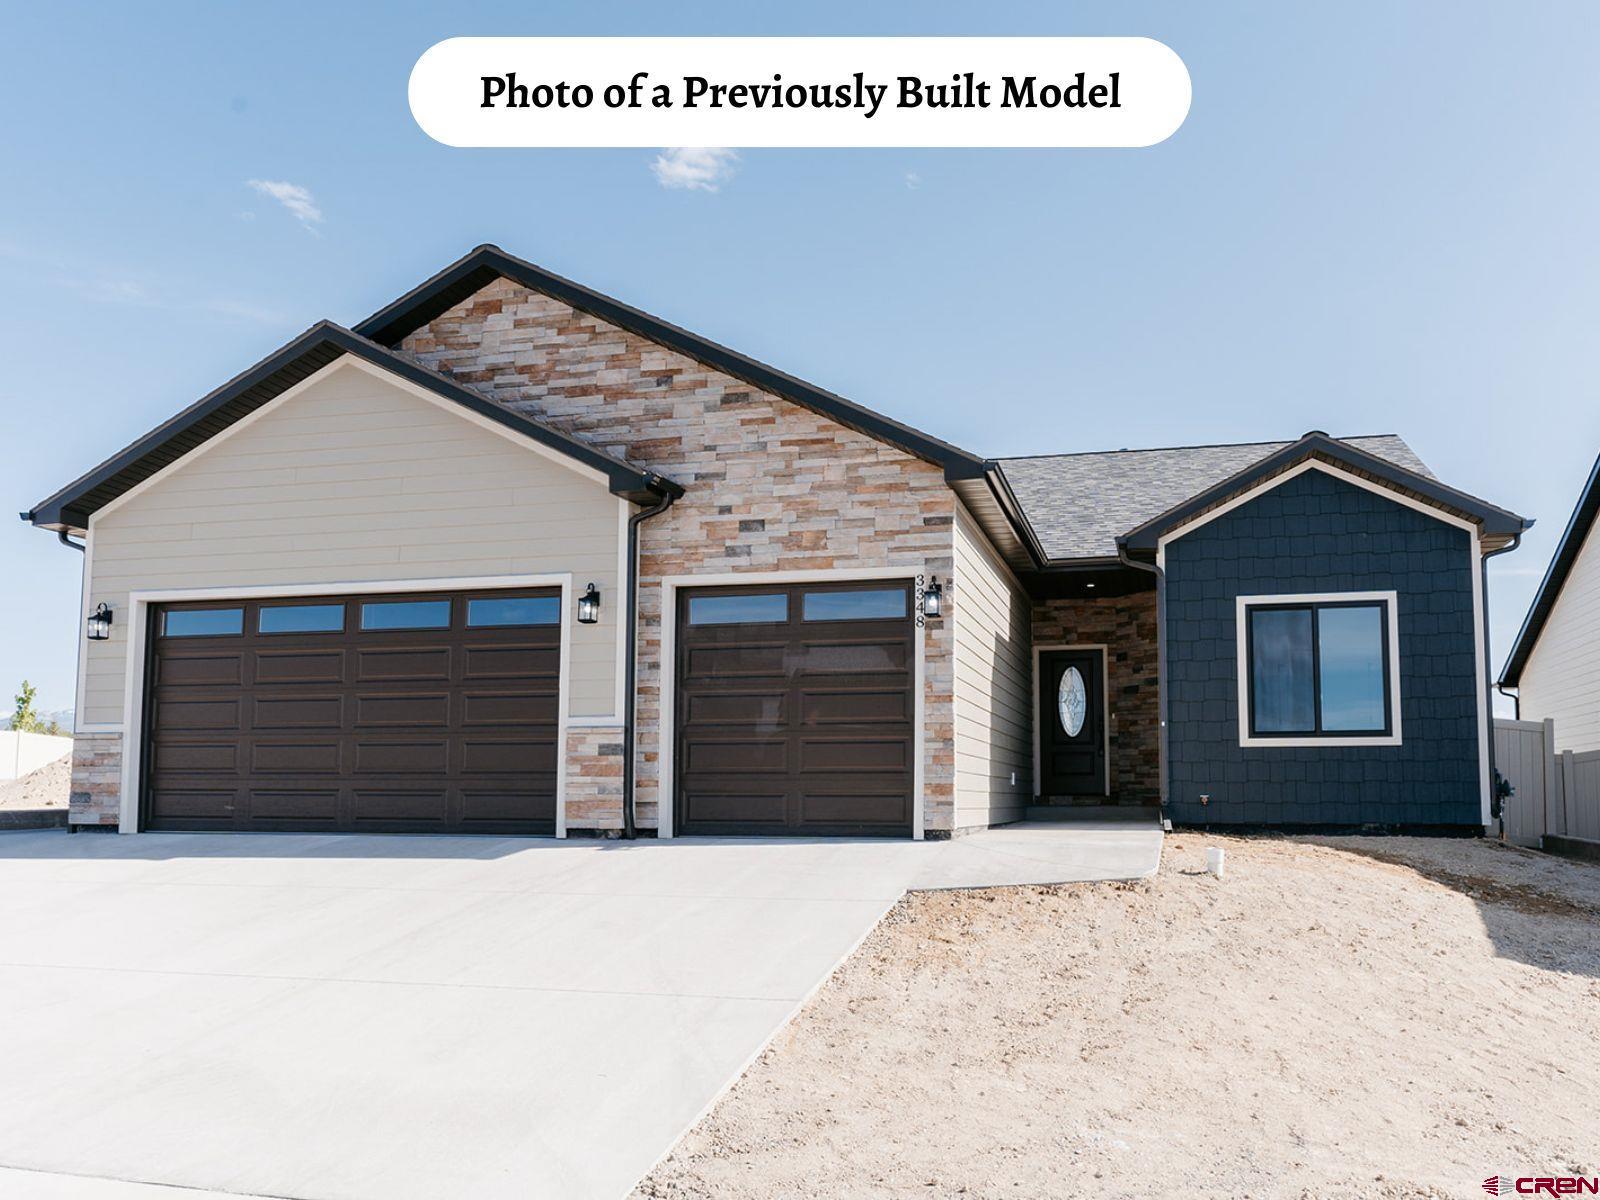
406, 614
301, 618
513, 611
856, 605
756, 608
203, 622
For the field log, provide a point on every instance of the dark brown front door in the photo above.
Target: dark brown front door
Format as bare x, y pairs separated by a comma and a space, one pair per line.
795, 710
1072, 729
416, 713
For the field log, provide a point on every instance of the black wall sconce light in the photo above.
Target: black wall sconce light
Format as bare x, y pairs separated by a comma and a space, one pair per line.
932, 598
100, 623
589, 606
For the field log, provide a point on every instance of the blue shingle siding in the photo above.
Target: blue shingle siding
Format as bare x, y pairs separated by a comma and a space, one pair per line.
1316, 533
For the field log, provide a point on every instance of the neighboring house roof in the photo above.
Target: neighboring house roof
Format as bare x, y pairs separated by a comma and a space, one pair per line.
487, 263
1082, 505
322, 344
1555, 577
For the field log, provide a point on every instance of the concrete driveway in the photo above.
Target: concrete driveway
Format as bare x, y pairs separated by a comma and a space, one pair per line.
379, 1018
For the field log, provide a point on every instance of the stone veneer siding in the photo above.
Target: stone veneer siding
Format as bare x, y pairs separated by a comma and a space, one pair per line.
771, 486
594, 778
96, 779
1126, 626
1312, 534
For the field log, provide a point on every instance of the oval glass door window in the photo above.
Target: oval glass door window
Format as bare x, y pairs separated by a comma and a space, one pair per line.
1072, 701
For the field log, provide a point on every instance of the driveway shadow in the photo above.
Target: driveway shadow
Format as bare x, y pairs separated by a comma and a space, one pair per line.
1536, 909
43, 845
59, 844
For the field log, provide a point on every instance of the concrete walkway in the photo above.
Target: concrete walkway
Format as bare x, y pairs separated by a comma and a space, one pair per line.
1101, 845
366, 1018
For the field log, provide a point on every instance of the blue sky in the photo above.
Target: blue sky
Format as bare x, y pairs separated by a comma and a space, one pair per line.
1377, 218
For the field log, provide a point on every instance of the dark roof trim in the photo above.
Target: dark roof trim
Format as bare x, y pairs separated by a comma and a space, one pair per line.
485, 264
1555, 578
71, 507
1012, 507
1494, 521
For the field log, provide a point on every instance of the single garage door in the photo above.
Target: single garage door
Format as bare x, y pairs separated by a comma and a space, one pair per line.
415, 713
795, 710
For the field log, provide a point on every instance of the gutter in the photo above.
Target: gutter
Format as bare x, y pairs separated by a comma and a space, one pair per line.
1516, 700
668, 494
1488, 673
1161, 661
1000, 489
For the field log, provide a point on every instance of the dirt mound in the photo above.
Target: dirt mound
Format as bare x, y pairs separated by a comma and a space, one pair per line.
48, 787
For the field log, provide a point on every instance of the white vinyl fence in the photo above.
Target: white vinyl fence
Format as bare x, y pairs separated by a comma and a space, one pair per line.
1557, 795
21, 753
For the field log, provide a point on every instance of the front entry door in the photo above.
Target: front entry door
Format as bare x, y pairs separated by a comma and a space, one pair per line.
1072, 723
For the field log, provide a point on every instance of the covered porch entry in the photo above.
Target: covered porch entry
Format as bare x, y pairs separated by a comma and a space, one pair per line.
1096, 707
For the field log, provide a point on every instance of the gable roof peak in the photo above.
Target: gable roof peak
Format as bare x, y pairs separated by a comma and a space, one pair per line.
481, 266
323, 344
1492, 520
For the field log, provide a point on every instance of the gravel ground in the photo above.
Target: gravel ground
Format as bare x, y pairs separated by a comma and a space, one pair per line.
1337, 1017
47, 787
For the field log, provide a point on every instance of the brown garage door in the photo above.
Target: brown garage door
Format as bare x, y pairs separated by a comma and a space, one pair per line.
416, 713
794, 710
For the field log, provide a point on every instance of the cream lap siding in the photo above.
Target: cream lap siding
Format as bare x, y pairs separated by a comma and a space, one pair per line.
357, 479
993, 683
1561, 679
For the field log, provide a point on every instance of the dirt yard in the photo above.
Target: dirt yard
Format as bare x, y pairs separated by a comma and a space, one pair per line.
1339, 1017
47, 787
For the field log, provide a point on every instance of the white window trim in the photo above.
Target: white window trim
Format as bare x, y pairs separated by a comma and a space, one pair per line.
138, 617
1041, 648
1242, 605
667, 733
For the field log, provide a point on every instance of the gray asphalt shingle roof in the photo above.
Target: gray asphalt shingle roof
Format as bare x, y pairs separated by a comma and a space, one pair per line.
1079, 504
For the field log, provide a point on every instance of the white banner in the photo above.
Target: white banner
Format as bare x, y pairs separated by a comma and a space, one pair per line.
800, 91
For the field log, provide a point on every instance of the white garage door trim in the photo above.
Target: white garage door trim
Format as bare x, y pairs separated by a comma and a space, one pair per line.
667, 732
138, 624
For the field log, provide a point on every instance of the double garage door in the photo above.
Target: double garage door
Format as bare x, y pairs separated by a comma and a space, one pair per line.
438, 713
419, 713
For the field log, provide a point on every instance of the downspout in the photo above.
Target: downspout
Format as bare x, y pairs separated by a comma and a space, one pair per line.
1488, 676
61, 535
1515, 698
630, 669
1161, 662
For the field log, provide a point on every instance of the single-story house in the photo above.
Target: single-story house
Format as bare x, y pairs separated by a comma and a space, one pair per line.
510, 556
1554, 664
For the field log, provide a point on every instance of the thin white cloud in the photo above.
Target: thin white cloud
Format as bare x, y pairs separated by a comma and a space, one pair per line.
702, 169
76, 277
913, 180
298, 200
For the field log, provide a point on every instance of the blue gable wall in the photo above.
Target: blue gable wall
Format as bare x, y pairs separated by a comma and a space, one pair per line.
1316, 533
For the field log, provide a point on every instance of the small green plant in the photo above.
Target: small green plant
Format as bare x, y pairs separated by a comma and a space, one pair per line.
25, 718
